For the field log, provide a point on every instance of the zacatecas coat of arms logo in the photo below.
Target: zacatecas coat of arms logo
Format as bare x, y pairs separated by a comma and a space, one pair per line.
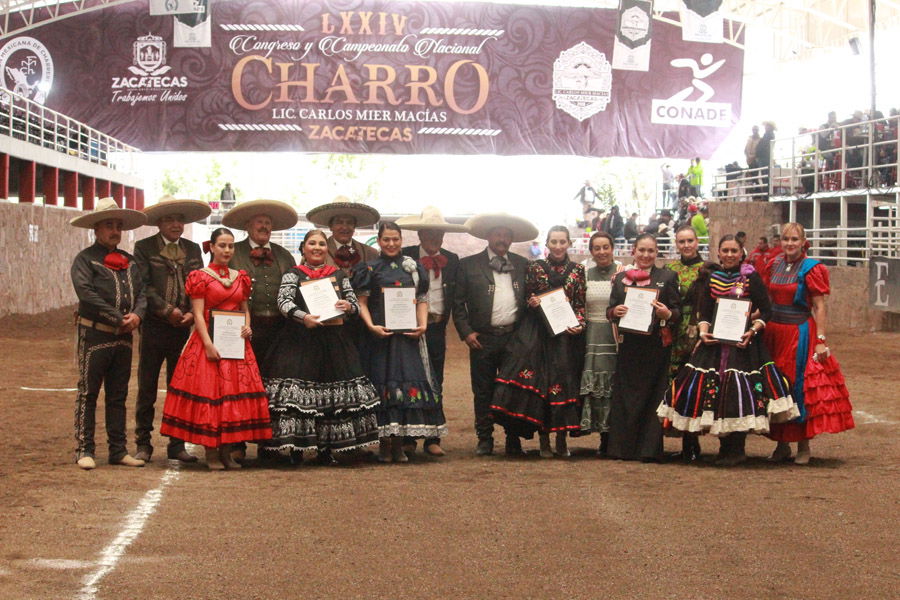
149, 54
582, 80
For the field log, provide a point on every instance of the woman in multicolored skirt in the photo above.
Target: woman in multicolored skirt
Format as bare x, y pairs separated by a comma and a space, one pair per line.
724, 389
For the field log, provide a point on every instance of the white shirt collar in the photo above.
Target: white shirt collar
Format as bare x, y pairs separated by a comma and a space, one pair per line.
422, 252
255, 245
492, 254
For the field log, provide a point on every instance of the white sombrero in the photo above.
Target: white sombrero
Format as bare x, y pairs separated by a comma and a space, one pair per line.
522, 229
430, 219
282, 214
106, 208
191, 210
364, 214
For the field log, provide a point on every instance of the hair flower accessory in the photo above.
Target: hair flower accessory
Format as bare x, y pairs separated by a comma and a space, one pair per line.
409, 264
746, 269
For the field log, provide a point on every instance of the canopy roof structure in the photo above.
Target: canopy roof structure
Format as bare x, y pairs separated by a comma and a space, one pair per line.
799, 26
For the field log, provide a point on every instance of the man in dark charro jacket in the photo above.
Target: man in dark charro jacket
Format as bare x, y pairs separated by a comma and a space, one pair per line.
111, 305
342, 217
489, 301
165, 260
442, 266
265, 262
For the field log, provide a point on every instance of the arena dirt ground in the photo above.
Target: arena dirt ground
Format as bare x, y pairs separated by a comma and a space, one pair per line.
459, 527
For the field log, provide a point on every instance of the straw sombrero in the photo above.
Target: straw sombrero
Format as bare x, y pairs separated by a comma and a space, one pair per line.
106, 208
364, 214
191, 210
480, 225
430, 219
282, 214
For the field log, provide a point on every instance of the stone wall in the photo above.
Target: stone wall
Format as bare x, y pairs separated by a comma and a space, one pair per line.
755, 218
37, 246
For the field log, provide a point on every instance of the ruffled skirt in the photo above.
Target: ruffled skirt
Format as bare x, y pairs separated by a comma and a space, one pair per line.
596, 379
826, 404
824, 401
538, 383
212, 403
726, 389
318, 395
410, 403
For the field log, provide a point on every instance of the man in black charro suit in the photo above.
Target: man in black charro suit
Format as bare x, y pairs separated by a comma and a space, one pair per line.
442, 266
489, 301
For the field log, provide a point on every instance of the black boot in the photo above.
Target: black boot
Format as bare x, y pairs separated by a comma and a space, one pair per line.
604, 444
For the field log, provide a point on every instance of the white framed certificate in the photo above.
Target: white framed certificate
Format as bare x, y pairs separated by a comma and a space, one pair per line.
399, 308
225, 331
320, 298
639, 318
730, 321
557, 311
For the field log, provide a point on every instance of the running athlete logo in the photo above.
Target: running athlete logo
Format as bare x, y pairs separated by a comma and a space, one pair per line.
679, 109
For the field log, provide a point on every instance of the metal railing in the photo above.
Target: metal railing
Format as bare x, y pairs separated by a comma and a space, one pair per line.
24, 119
622, 247
855, 156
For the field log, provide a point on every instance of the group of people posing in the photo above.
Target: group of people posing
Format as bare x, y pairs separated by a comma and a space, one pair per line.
311, 383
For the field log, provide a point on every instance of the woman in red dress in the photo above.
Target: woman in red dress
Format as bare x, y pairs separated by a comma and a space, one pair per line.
212, 401
796, 339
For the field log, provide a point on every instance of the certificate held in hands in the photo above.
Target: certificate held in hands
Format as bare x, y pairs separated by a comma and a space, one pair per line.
225, 331
320, 298
399, 308
731, 318
557, 311
639, 318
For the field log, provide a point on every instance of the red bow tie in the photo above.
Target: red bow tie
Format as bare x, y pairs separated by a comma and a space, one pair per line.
261, 255
116, 261
434, 263
346, 257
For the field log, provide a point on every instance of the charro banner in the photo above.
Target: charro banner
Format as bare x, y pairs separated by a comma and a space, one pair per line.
381, 76
631, 50
701, 21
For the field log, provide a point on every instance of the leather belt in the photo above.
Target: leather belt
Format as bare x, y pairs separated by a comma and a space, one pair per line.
789, 314
98, 326
501, 330
433, 318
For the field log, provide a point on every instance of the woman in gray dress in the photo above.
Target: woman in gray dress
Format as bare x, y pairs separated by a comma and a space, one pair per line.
600, 359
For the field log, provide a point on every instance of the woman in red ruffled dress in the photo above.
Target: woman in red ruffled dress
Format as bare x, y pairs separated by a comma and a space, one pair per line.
797, 342
212, 401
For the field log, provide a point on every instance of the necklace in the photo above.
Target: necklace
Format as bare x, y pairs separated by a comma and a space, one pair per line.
226, 282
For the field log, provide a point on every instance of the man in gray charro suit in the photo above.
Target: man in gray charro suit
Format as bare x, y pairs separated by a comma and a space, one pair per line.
165, 260
489, 301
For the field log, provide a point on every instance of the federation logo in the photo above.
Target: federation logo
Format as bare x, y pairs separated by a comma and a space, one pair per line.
27, 68
635, 24
582, 80
149, 56
681, 109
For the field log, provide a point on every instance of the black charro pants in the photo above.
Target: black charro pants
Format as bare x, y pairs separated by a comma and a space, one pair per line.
483, 367
104, 359
160, 343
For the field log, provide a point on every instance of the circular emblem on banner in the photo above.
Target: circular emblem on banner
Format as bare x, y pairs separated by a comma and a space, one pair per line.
27, 68
582, 80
